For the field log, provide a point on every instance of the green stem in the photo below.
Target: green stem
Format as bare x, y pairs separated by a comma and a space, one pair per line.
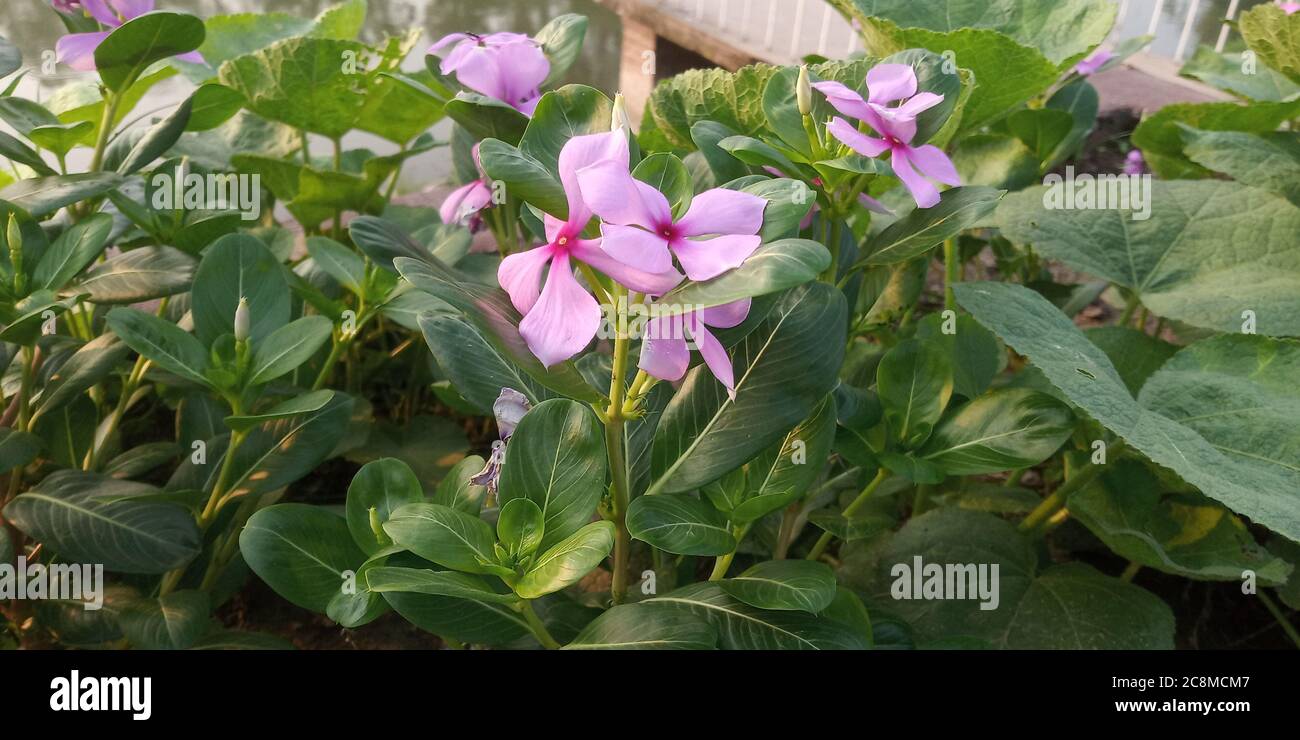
1281, 618
951, 272
1129, 308
341, 345
850, 510
1130, 572
615, 449
834, 246
105, 128
1081, 478
536, 626
721, 565
129, 387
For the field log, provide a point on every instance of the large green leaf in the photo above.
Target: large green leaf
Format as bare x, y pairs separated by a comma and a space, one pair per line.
75, 248
771, 268
914, 383
573, 110
1063, 607
557, 460
239, 266
302, 552
1228, 72
925, 228
681, 524
161, 341
302, 82
377, 490
1176, 260
784, 585
476, 368
782, 473
286, 348
435, 583
1237, 464
561, 41
732, 99
1005, 429
783, 369
568, 561
283, 450
17, 448
141, 41
142, 274
1274, 35
645, 627
743, 627
91, 363
44, 195
174, 621
525, 177
71, 512
443, 535
1269, 160
1159, 136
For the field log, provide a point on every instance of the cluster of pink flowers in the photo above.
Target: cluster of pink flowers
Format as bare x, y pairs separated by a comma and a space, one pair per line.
77, 50
638, 241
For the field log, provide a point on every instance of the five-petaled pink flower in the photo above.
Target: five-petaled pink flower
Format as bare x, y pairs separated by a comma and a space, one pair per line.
507, 66
77, 50
887, 83
561, 317
665, 353
465, 202
1093, 62
639, 230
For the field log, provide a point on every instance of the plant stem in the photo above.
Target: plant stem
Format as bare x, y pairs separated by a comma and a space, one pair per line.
721, 565
615, 449
341, 345
1082, 477
105, 128
951, 272
849, 511
834, 246
129, 387
536, 625
1130, 572
1281, 618
1129, 308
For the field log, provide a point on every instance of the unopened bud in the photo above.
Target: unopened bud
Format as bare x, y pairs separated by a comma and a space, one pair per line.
242, 321
803, 91
14, 235
619, 118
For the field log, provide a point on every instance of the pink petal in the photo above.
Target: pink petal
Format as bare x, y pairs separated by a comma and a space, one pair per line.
564, 319
464, 201
584, 151
889, 122
723, 211
100, 11
917, 104
873, 205
77, 50
618, 198
842, 98
523, 67
714, 356
707, 259
890, 82
664, 353
520, 274
636, 247
867, 146
922, 191
450, 38
502, 38
129, 9
727, 315
656, 283
477, 68
932, 162
528, 106
193, 57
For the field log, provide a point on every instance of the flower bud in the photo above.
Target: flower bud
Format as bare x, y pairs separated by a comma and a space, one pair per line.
509, 408
619, 118
803, 91
242, 321
14, 235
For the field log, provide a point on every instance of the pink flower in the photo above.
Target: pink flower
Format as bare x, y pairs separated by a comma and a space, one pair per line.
665, 353
1288, 7
77, 50
639, 229
561, 317
507, 66
1093, 62
887, 83
465, 202
1134, 163
66, 6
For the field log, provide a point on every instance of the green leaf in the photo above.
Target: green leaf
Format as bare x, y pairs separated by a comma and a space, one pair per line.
434, 583
996, 161
302, 82
556, 460
211, 105
304, 553
478, 620
976, 354
568, 561
141, 41
561, 41
707, 136
17, 448
61, 138
174, 621
377, 490
783, 369
68, 512
75, 248
925, 228
914, 383
772, 268
44, 195
572, 110
19, 152
1136, 355
1227, 72
645, 627
1275, 36
476, 368
1160, 138
457, 491
283, 450
306, 403
487, 118
758, 153
286, 348
1080, 100
1270, 160
162, 342
526, 178
91, 363
142, 274
732, 99
519, 527
1180, 534
784, 585
1175, 261
1042, 130
788, 202
782, 473
680, 524
443, 535
338, 262
158, 139
1004, 429
239, 266
666, 173
1165, 427
743, 627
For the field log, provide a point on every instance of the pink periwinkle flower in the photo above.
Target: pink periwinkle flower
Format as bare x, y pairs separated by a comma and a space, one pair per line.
507, 66
561, 317
639, 230
1288, 7
77, 50
665, 353
896, 125
465, 202
1134, 163
1093, 62
67, 6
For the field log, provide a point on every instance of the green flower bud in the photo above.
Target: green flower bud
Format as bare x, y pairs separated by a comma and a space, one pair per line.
242, 321
803, 91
